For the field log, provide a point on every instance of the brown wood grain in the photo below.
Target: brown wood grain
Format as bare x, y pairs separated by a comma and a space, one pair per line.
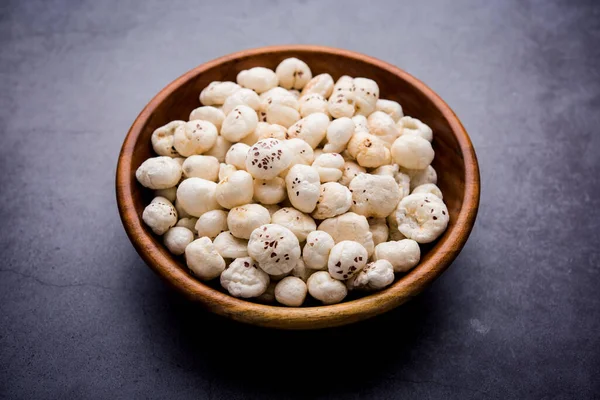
455, 163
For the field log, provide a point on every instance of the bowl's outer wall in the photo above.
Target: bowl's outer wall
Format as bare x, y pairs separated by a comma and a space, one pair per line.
455, 163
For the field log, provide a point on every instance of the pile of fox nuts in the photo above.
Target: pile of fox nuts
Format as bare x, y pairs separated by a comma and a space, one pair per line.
283, 184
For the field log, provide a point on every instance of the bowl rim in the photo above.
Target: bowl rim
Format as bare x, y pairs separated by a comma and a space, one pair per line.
310, 317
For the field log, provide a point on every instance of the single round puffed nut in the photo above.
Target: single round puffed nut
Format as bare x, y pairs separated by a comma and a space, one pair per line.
267, 158
344, 84
334, 199
210, 114
429, 188
271, 191
422, 217
316, 250
160, 215
368, 150
235, 190
379, 229
394, 233
312, 103
159, 173
203, 259
302, 153
312, 129
162, 139
350, 171
420, 177
220, 149
237, 155
361, 123
169, 193
211, 224
205, 167
226, 170
391, 108
244, 219
243, 97
275, 248
321, 84
366, 94
297, 222
374, 195
389, 170
403, 182
412, 151
265, 130
177, 238
383, 126
404, 254
323, 287
187, 222
197, 196
339, 132
243, 278
259, 79
303, 187
194, 137
413, 126
291, 291
293, 73
301, 271
181, 213
217, 92
341, 104
239, 123
349, 226
346, 259
282, 114
329, 166
229, 246
374, 276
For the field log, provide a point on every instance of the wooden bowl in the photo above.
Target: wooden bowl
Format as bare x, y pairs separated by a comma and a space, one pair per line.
455, 163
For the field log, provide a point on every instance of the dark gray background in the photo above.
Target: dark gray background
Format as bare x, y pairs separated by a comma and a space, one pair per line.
516, 316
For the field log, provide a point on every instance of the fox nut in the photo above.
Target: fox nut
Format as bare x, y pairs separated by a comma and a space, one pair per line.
303, 187
412, 151
229, 246
366, 94
217, 92
383, 126
324, 288
197, 196
160, 215
321, 84
312, 103
188, 222
210, 114
194, 137
375, 275
291, 291
293, 73
341, 104
205, 167
368, 150
297, 222
226, 170
177, 238
242, 97
374, 195
391, 108
236, 155
346, 259
422, 217
379, 230
219, 149
349, 226
235, 190
413, 126
334, 199
429, 188
339, 132
243, 278
244, 219
268, 158
329, 166
350, 171
203, 259
275, 248
403, 254
259, 79
159, 173
239, 123
316, 250
312, 129
269, 191
162, 139
211, 224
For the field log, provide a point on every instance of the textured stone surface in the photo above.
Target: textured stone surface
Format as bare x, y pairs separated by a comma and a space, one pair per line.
516, 316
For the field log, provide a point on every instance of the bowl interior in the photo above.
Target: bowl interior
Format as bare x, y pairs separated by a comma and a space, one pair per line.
181, 97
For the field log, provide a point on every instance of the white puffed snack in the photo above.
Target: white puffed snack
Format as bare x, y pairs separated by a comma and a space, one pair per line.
217, 92
374, 195
235, 190
346, 259
349, 226
379, 229
383, 126
299, 223
391, 108
312, 129
341, 104
269, 191
168, 193
361, 123
275, 248
301, 271
243, 97
226, 170
160, 215
302, 153
181, 213
429, 188
195, 137
329, 166
403, 254
177, 238
159, 173
162, 139
303, 187
197, 196
203, 259
350, 171
291, 291
272, 208
422, 217
344, 84
205, 167
334, 199
244, 219
229, 246
368, 150
403, 182
316, 250
312, 103
394, 233
188, 222
323, 287
281, 109
413, 126
412, 151
219, 149
374, 276
210, 114
293, 73
321, 84
366, 94
388, 170
259, 79
243, 278
339, 132
420, 177
237, 155
295, 93
239, 123
268, 158
211, 224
